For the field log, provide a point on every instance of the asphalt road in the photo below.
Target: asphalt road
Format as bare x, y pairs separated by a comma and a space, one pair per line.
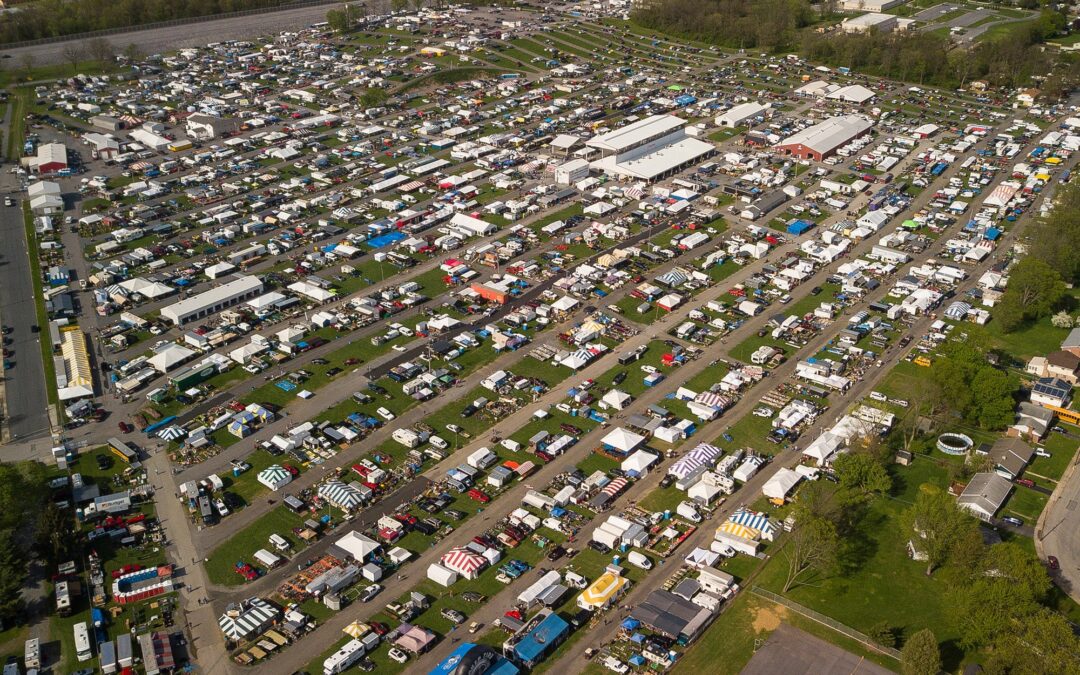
27, 403
159, 40
1055, 534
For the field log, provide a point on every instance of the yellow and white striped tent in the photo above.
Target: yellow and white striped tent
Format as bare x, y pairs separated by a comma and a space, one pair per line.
738, 530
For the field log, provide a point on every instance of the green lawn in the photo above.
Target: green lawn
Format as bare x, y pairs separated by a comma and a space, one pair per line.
1062, 449
1025, 503
243, 544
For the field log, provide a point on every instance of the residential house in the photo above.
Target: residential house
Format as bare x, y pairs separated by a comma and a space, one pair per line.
984, 495
1051, 392
1060, 364
1010, 456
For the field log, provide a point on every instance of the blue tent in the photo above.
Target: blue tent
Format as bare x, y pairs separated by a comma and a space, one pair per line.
637, 660
630, 623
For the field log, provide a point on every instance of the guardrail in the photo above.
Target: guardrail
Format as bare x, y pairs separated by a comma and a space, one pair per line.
826, 621
299, 4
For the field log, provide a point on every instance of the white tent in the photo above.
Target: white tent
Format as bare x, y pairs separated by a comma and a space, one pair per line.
616, 399
357, 545
639, 462
622, 440
781, 484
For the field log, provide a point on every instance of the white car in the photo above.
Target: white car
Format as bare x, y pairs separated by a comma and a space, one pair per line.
385, 414
407, 332
650, 370
398, 348
398, 655
438, 442
763, 412
370, 592
222, 510
615, 665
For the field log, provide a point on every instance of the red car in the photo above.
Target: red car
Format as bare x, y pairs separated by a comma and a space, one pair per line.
479, 495
293, 471
125, 428
1026, 482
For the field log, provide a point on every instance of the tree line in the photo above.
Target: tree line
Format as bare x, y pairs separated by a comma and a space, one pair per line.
1012, 58
55, 18
1038, 283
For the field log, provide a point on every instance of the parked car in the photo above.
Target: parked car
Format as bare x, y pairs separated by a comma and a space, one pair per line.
370, 592
453, 616
385, 414
398, 655
1012, 521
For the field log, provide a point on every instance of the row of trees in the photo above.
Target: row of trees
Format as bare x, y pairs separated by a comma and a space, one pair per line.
736, 24
20, 502
1009, 60
53, 18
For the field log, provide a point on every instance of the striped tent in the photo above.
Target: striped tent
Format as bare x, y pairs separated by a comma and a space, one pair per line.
634, 192
759, 522
411, 186
343, 496
172, 433
685, 466
737, 530
464, 562
708, 398
274, 477
673, 278
615, 487
705, 452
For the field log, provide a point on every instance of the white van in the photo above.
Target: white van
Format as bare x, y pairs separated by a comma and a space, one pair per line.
878, 396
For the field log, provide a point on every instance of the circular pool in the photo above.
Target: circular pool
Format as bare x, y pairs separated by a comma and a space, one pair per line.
954, 444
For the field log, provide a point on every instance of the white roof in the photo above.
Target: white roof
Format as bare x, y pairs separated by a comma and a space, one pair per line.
170, 357
237, 287
564, 141
742, 111
855, 93
781, 484
830, 134
652, 164
357, 545
623, 439
636, 133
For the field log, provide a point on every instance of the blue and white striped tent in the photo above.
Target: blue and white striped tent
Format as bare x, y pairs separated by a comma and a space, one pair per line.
705, 452
755, 521
673, 278
685, 466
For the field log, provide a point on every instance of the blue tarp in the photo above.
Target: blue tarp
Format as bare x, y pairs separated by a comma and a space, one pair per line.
799, 226
992, 233
385, 239
630, 623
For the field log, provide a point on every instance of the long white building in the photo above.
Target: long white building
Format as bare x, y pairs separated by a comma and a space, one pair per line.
213, 301
649, 149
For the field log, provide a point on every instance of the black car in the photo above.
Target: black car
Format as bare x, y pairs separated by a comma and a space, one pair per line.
453, 514
603, 549
556, 553
619, 377
667, 481
815, 290
468, 411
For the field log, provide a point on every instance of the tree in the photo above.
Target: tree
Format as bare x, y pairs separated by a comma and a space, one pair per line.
54, 541
418, 4
1053, 236
1043, 642
935, 523
1006, 585
398, 5
12, 577
101, 50
1061, 320
992, 392
26, 64
811, 547
72, 53
883, 634
1035, 289
921, 655
133, 52
860, 473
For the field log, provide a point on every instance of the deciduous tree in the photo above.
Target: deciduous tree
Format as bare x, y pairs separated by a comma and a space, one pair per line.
934, 523
921, 654
811, 548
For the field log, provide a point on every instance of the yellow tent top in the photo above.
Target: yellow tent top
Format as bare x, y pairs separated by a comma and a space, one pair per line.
738, 530
601, 591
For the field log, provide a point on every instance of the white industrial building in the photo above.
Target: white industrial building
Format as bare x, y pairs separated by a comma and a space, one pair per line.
571, 172
869, 5
869, 23
213, 301
825, 138
649, 149
739, 114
